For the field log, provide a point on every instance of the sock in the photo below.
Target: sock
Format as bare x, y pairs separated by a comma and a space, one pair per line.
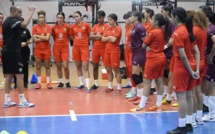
81, 80
118, 86
199, 114
110, 85
134, 90
168, 97
189, 119
153, 84
143, 101
7, 98
87, 80
211, 105
61, 80
164, 89
181, 122
67, 80
194, 117
47, 80
129, 81
206, 100
139, 92
174, 95
22, 97
39, 80
159, 100
96, 82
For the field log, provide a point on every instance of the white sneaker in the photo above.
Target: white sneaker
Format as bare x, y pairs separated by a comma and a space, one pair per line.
199, 121
194, 124
26, 104
9, 104
207, 117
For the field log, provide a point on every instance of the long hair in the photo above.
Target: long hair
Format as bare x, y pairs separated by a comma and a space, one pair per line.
168, 8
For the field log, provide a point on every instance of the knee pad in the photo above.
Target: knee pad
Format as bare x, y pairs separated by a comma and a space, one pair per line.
136, 78
166, 73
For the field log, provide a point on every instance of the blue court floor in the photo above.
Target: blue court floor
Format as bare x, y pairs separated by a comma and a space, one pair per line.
119, 123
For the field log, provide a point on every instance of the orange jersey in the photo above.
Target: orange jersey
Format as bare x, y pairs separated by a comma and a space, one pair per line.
43, 31
60, 34
148, 26
81, 34
181, 40
128, 30
115, 32
201, 40
156, 40
99, 30
1, 37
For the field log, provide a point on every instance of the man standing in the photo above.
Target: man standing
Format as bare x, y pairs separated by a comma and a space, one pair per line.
11, 54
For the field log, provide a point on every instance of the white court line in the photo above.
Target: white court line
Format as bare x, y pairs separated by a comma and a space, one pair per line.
72, 115
98, 114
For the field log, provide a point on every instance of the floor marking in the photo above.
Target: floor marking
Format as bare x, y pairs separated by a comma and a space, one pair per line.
72, 115
32, 116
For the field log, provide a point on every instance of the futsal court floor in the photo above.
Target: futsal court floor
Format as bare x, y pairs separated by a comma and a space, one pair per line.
71, 111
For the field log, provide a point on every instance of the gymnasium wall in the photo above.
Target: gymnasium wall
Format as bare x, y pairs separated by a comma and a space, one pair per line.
118, 7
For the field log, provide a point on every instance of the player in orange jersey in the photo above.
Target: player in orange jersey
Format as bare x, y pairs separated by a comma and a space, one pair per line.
98, 46
60, 33
112, 38
80, 32
41, 34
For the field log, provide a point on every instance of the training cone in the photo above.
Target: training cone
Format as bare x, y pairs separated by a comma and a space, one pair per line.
34, 79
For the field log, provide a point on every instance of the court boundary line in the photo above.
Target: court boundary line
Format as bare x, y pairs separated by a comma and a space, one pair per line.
72, 115
95, 114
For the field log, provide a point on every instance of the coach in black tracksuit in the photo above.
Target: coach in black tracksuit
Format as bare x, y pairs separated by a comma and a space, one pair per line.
25, 51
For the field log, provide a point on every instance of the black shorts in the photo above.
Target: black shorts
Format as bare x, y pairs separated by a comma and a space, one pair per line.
12, 64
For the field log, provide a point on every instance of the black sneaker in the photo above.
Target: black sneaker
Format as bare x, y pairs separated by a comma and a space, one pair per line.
68, 85
94, 87
152, 90
205, 108
60, 85
178, 130
189, 128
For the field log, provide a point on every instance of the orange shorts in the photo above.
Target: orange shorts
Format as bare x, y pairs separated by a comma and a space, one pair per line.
154, 68
97, 54
44, 54
201, 73
128, 57
182, 80
80, 53
112, 60
60, 54
171, 64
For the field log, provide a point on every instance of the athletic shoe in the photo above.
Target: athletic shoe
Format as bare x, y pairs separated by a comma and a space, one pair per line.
137, 102
199, 121
137, 109
38, 86
135, 98
155, 108
178, 130
194, 124
88, 89
108, 90
189, 128
207, 117
60, 85
118, 92
26, 104
175, 104
9, 104
126, 86
128, 93
165, 101
68, 85
131, 95
94, 87
80, 87
152, 90
49, 86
